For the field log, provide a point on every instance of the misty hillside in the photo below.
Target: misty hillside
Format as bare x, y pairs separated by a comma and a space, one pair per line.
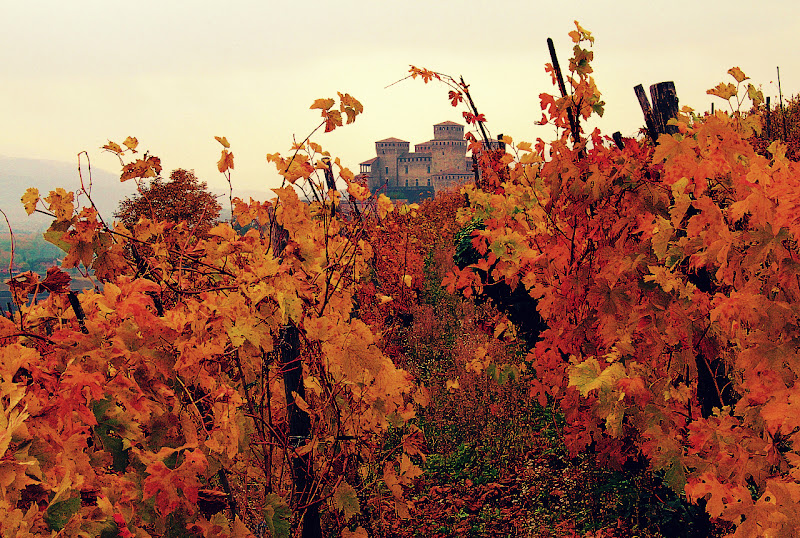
16, 175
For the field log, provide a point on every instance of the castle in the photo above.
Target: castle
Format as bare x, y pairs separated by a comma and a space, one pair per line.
435, 165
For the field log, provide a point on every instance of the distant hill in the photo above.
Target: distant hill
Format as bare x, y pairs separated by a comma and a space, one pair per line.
16, 175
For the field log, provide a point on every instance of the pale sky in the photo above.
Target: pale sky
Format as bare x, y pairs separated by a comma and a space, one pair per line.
176, 73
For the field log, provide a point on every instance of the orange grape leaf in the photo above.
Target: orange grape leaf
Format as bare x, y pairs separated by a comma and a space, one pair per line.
225, 162
346, 500
333, 119
223, 140
722, 497
60, 203
113, 147
670, 146
131, 143
30, 199
323, 104
392, 481
409, 469
147, 167
421, 396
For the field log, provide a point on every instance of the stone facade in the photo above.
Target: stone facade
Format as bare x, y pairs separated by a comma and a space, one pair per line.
438, 164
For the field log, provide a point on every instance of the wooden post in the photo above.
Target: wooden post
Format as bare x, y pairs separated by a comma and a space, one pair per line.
665, 106
330, 181
644, 103
573, 120
769, 133
780, 98
617, 137
299, 423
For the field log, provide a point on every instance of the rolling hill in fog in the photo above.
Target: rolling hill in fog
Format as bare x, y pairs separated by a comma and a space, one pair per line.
16, 175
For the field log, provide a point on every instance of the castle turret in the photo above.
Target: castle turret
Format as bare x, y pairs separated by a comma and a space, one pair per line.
388, 150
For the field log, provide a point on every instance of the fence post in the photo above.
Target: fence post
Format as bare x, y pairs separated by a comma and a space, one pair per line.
291, 364
665, 107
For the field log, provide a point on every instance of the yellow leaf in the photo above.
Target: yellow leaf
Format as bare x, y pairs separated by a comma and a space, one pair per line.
385, 298
755, 95
350, 101
408, 280
357, 191
131, 143
224, 141
452, 385
588, 376
323, 104
224, 231
30, 199
524, 146
737, 73
113, 147
385, 206
301, 403
60, 202
725, 91
225, 162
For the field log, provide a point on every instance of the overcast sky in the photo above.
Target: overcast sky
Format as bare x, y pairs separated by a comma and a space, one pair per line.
176, 73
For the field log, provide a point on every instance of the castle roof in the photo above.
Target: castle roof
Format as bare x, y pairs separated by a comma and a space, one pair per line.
371, 161
393, 139
448, 123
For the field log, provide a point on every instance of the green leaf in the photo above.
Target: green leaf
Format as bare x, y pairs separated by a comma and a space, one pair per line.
59, 513
587, 376
277, 515
56, 231
346, 500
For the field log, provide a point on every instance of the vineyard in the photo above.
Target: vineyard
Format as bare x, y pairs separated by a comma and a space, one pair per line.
598, 337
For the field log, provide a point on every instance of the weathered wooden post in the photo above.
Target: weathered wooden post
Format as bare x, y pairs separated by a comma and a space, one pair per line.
769, 131
665, 107
573, 119
299, 423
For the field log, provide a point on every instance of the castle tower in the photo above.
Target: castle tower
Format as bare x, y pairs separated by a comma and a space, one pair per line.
388, 150
448, 148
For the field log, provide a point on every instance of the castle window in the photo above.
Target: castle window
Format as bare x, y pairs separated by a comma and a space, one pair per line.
406, 183
387, 169
429, 182
429, 169
406, 169
417, 182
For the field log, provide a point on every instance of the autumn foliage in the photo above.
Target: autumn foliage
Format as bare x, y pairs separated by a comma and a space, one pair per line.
646, 295
124, 415
667, 278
